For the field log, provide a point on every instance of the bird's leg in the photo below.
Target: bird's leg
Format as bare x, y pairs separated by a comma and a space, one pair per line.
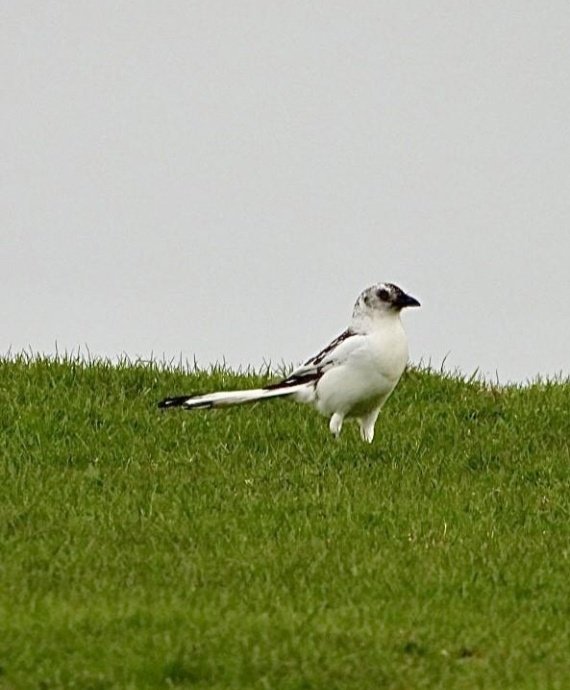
367, 423
335, 425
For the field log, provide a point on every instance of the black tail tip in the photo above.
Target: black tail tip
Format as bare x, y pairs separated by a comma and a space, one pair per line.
177, 401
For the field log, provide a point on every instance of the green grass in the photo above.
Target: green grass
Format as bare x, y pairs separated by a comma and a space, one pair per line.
247, 548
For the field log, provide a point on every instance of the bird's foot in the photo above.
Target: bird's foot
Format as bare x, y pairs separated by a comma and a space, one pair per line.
335, 425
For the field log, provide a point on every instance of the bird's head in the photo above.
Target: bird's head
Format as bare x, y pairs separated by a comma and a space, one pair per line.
383, 299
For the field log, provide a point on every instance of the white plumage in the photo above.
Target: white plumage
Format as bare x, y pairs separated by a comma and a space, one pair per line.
351, 377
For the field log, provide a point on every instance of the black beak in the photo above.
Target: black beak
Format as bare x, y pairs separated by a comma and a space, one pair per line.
403, 300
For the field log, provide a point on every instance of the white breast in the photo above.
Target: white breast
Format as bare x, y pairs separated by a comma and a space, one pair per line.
368, 376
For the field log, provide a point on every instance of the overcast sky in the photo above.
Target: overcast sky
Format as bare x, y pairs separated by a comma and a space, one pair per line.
221, 179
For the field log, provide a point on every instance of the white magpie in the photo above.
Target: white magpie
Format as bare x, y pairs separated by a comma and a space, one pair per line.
351, 377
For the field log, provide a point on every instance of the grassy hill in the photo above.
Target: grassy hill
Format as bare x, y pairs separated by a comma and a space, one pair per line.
247, 548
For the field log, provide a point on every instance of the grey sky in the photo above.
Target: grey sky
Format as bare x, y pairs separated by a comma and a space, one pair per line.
221, 179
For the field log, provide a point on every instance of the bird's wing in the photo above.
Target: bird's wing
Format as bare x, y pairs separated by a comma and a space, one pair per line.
335, 353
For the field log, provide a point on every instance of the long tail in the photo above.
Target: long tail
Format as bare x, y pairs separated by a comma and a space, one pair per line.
227, 398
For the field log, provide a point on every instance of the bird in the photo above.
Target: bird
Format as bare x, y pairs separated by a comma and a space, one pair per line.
352, 377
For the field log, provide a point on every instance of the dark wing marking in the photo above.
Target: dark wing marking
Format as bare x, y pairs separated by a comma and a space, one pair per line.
315, 374
318, 358
181, 400
295, 380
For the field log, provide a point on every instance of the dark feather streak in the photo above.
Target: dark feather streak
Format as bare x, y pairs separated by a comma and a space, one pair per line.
313, 376
180, 401
318, 358
294, 380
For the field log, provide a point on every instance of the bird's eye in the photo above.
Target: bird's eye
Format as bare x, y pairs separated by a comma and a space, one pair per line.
383, 294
